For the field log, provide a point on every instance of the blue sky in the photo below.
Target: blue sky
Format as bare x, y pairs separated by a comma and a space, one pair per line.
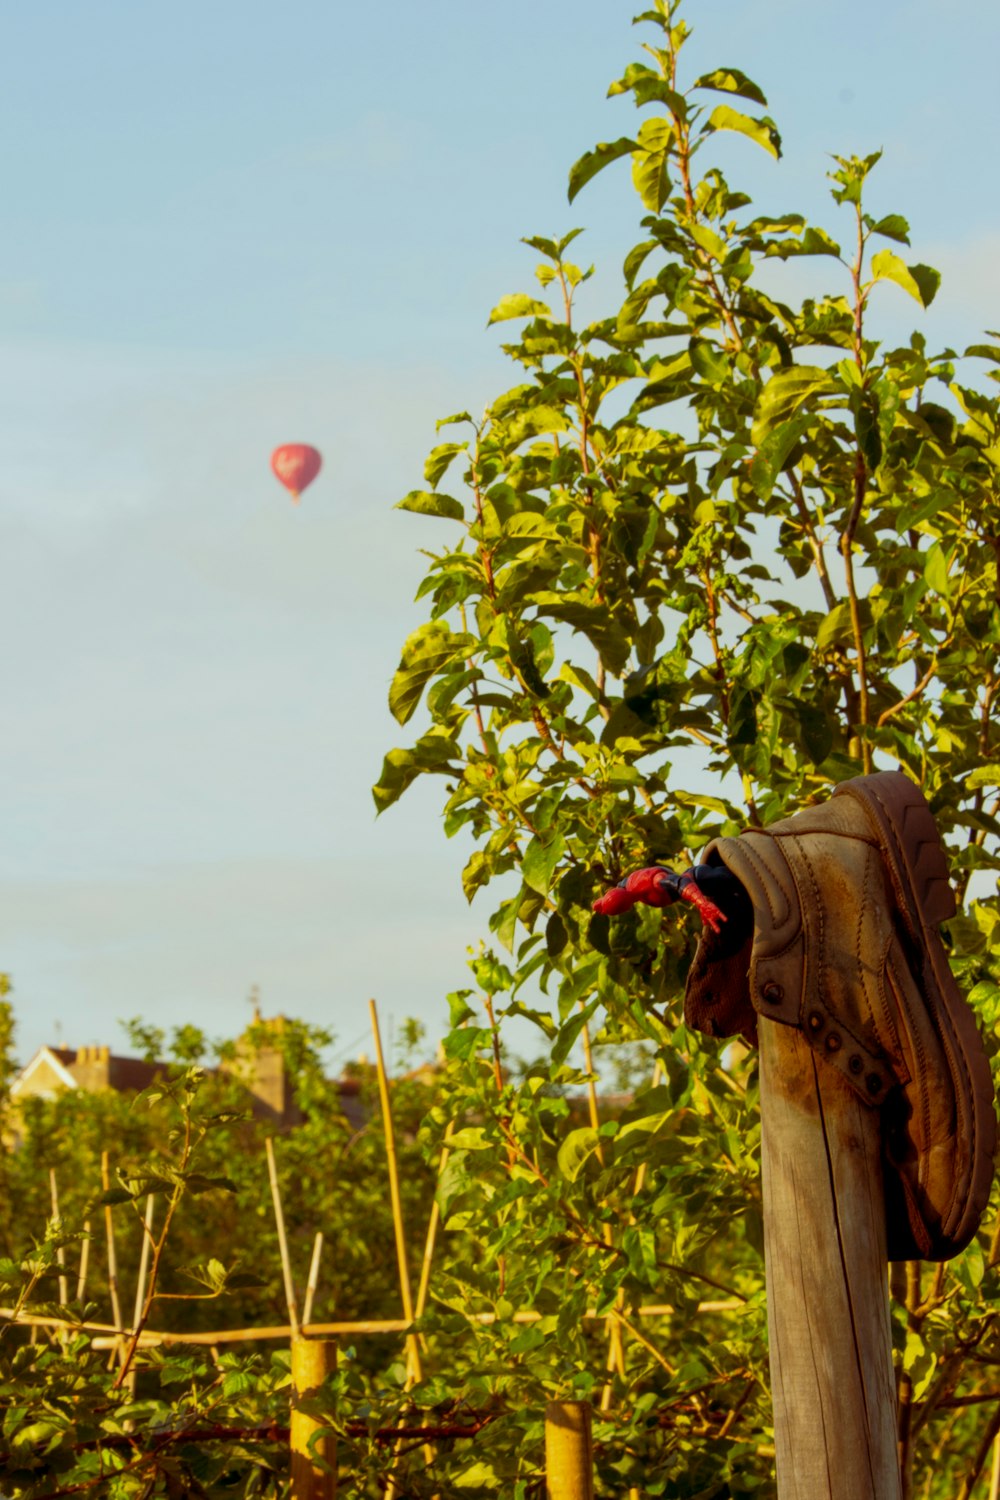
232, 224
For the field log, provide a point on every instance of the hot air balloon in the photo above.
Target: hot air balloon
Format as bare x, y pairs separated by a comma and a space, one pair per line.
296, 466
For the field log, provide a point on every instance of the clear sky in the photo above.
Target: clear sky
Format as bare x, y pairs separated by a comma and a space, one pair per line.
229, 224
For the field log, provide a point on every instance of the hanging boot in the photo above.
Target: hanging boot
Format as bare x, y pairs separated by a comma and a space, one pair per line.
847, 897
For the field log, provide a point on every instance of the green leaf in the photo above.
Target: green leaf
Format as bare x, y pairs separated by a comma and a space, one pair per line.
576, 1150
893, 227
784, 393
479, 1476
432, 503
650, 175
867, 429
763, 131
434, 753
592, 162
708, 361
731, 81
773, 454
540, 860
836, 626
920, 281
984, 776
813, 242
936, 570
519, 305
426, 652
569, 1033
473, 1138
439, 459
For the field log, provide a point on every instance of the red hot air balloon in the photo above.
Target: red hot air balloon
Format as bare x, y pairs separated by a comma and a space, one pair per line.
296, 466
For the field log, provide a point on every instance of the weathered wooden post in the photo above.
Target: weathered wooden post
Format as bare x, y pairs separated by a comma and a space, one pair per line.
827, 1289
314, 1467
569, 1451
821, 941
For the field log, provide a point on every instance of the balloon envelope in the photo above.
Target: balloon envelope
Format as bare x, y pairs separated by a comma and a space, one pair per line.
296, 466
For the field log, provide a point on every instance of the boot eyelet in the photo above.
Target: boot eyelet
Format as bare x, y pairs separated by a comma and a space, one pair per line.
855, 1063
833, 1042
773, 992
815, 1022
873, 1083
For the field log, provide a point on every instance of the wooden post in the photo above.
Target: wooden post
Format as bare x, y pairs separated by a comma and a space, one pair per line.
312, 1361
569, 1451
827, 1285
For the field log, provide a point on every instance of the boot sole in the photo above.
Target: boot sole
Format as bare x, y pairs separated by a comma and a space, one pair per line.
918, 867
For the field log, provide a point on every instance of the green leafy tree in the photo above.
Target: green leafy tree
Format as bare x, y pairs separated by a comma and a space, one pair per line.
715, 550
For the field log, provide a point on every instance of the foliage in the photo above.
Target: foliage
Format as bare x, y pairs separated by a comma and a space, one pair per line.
712, 553
189, 1419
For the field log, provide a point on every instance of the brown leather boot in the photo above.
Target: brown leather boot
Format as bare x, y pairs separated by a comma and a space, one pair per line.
847, 897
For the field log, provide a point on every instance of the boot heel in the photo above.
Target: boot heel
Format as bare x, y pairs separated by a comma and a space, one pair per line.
911, 840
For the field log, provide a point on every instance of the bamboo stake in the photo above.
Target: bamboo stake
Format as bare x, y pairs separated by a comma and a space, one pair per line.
569, 1451
140, 1286
81, 1280
637, 1187
116, 1307
640, 1171
307, 1306
412, 1344
61, 1251
616, 1349
149, 1338
432, 1227
314, 1468
414, 1369
827, 1291
995, 1477
279, 1219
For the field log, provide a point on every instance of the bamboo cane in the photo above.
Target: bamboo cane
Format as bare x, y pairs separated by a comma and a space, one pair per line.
432, 1228
640, 1171
314, 1464
637, 1187
140, 1286
616, 1350
61, 1250
569, 1451
311, 1284
116, 1307
279, 1219
81, 1279
150, 1337
412, 1344
414, 1370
